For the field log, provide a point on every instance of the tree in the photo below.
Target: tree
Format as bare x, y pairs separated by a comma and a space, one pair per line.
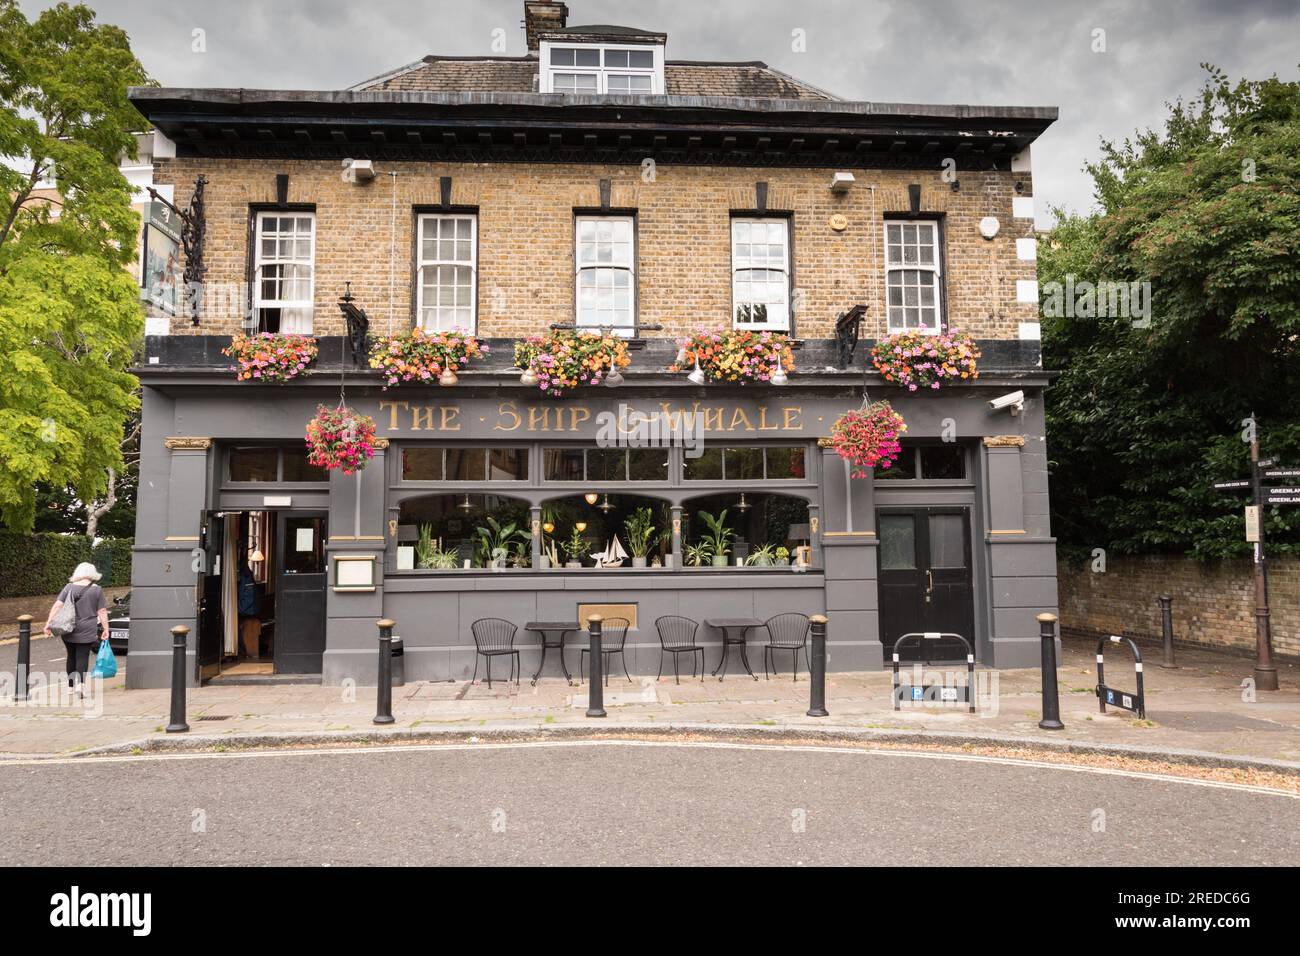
70, 315
1145, 417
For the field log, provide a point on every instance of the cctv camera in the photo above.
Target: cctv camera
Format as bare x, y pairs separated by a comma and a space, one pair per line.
1013, 400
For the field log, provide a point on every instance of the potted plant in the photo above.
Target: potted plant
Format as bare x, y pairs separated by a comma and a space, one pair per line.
419, 356
564, 359
575, 548
424, 548
868, 437
761, 557
496, 541
640, 532
697, 555
926, 360
718, 537
550, 556
782, 557
270, 356
340, 439
735, 355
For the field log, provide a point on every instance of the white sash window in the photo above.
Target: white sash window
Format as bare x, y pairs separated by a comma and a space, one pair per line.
446, 282
284, 270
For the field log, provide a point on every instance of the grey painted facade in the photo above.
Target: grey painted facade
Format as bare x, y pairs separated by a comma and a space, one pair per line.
192, 410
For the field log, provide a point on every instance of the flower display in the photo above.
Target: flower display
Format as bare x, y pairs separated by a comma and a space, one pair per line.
923, 360
868, 437
736, 355
270, 357
565, 359
419, 356
340, 439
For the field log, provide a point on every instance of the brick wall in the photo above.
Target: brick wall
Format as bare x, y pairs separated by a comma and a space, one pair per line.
526, 280
1214, 602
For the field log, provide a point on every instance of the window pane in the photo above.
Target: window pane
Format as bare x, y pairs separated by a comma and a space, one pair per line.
943, 461
254, 464
586, 57
562, 464
560, 57
616, 58
295, 467
647, 464
641, 59
466, 464
606, 464
903, 468
947, 541
897, 542
744, 464
422, 464
786, 463
508, 464
708, 467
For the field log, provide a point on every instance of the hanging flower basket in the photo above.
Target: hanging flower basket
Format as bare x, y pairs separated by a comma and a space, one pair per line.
868, 437
340, 439
565, 359
270, 357
419, 356
736, 355
920, 360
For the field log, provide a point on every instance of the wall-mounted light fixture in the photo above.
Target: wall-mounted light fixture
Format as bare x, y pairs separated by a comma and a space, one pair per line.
842, 181
591, 497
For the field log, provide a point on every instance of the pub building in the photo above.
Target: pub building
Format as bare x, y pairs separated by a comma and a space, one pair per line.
589, 182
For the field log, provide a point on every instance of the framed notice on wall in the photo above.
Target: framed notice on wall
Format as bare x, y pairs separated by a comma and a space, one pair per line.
354, 572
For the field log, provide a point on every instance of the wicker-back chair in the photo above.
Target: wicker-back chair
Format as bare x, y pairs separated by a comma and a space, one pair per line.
494, 637
613, 635
786, 632
677, 636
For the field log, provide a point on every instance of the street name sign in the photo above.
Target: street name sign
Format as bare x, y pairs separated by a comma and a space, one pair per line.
1282, 473
1232, 485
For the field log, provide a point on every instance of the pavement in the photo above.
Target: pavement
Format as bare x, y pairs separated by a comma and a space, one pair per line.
1199, 712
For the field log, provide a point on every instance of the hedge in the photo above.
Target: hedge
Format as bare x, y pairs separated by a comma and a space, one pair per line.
36, 564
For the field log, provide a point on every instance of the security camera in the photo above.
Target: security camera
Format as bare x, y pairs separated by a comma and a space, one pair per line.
1012, 400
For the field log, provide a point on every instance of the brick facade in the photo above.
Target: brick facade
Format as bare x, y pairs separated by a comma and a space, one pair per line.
526, 254
1214, 602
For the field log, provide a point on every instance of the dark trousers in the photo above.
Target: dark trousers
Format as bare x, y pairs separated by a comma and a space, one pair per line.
78, 661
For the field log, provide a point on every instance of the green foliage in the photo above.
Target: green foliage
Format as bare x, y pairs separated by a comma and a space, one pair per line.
697, 554
1142, 421
640, 531
576, 547
39, 564
70, 315
495, 542
719, 535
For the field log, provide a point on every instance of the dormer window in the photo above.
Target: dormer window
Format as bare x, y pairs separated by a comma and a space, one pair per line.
593, 70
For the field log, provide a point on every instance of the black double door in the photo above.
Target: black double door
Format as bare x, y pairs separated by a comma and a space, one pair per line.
925, 580
301, 567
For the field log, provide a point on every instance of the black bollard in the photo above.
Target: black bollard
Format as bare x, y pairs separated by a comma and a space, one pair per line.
1051, 698
596, 686
180, 638
817, 668
1167, 626
384, 702
24, 656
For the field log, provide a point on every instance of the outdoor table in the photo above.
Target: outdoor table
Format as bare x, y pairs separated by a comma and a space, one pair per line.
545, 628
739, 625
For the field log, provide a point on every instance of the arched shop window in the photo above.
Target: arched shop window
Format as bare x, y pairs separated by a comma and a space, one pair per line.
765, 529
614, 530
441, 532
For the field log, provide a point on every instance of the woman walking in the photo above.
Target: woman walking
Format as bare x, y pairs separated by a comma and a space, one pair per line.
91, 615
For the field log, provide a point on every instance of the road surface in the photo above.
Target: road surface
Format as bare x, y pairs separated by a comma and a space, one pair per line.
625, 803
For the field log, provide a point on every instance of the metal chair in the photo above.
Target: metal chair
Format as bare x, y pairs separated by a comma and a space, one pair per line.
613, 636
677, 636
494, 637
786, 632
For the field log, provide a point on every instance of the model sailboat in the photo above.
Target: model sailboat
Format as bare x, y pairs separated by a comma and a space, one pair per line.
613, 555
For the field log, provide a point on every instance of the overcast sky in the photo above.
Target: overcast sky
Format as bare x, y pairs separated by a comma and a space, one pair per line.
1008, 52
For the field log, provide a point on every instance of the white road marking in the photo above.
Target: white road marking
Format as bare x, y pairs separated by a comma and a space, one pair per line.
715, 744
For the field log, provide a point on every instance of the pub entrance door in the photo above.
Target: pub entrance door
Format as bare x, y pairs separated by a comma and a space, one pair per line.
925, 580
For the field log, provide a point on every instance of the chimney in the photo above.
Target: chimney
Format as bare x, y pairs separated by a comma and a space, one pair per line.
541, 16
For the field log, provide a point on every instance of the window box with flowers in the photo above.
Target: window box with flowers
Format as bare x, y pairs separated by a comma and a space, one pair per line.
918, 360
565, 359
735, 355
339, 439
420, 356
868, 437
270, 357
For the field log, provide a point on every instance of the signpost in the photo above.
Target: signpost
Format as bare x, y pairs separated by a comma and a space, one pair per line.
1261, 468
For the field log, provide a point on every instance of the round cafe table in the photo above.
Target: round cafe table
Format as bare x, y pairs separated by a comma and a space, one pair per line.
546, 629
733, 632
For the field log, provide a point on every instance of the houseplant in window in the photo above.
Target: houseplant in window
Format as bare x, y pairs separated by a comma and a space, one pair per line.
918, 359
640, 535
868, 437
575, 548
735, 355
340, 439
270, 357
419, 356
718, 538
781, 557
697, 555
497, 541
564, 359
761, 557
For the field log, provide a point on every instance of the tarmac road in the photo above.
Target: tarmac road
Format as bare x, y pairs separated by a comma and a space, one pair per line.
625, 803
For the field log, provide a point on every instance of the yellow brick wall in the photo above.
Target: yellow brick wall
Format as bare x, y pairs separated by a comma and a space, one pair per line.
525, 278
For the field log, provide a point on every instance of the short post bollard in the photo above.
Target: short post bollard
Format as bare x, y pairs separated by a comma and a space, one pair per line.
24, 656
384, 697
1167, 626
180, 639
1051, 697
596, 688
817, 668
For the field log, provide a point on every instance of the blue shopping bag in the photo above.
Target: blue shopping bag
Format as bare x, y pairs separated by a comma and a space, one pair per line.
105, 662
